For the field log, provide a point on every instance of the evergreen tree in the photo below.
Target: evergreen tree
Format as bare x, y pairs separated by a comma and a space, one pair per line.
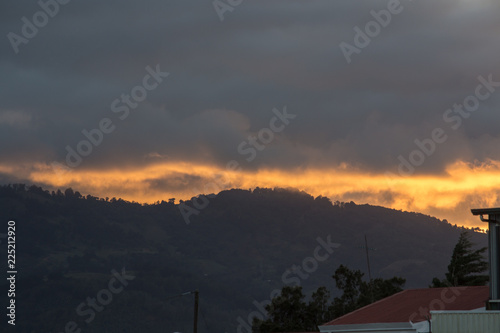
466, 265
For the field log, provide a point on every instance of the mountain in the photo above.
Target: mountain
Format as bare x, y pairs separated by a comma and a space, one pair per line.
108, 265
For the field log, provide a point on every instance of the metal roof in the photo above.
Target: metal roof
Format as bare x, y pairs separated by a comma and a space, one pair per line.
415, 304
484, 211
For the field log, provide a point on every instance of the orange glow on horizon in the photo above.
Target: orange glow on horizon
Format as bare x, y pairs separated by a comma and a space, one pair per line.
449, 196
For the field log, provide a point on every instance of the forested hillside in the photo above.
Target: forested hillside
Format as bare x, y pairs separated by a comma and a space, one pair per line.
236, 251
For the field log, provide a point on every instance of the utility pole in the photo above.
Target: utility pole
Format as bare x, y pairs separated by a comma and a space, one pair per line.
368, 260
196, 302
196, 299
369, 270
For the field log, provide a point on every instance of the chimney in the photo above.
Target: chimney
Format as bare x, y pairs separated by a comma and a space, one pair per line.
494, 252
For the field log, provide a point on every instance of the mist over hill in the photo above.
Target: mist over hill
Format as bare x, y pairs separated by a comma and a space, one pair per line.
242, 247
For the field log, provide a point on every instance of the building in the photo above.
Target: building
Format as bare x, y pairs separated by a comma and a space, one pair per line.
409, 310
482, 321
436, 310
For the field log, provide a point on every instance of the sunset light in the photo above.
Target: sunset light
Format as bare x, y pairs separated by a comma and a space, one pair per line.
447, 196
248, 166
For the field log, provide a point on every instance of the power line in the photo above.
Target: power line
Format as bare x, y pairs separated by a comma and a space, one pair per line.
183, 294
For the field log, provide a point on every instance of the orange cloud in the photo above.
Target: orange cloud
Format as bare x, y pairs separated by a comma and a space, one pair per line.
448, 196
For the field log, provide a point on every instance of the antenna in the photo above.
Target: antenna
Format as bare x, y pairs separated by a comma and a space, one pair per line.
368, 264
368, 260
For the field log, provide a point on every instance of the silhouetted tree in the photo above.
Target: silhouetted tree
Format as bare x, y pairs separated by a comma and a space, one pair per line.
319, 308
466, 265
288, 312
379, 288
350, 283
69, 193
358, 293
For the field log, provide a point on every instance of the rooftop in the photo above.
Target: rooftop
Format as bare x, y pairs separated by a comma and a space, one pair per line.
415, 304
484, 211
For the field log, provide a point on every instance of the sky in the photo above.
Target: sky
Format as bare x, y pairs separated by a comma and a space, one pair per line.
390, 103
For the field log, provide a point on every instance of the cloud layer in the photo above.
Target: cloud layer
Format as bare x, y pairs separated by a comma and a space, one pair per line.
226, 77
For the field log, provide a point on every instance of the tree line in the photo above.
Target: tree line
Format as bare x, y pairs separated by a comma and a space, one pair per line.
289, 312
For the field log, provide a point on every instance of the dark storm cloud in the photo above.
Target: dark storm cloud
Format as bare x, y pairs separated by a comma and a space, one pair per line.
226, 77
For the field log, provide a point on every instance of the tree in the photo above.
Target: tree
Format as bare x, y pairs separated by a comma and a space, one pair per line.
350, 283
466, 265
379, 288
319, 309
358, 293
286, 313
